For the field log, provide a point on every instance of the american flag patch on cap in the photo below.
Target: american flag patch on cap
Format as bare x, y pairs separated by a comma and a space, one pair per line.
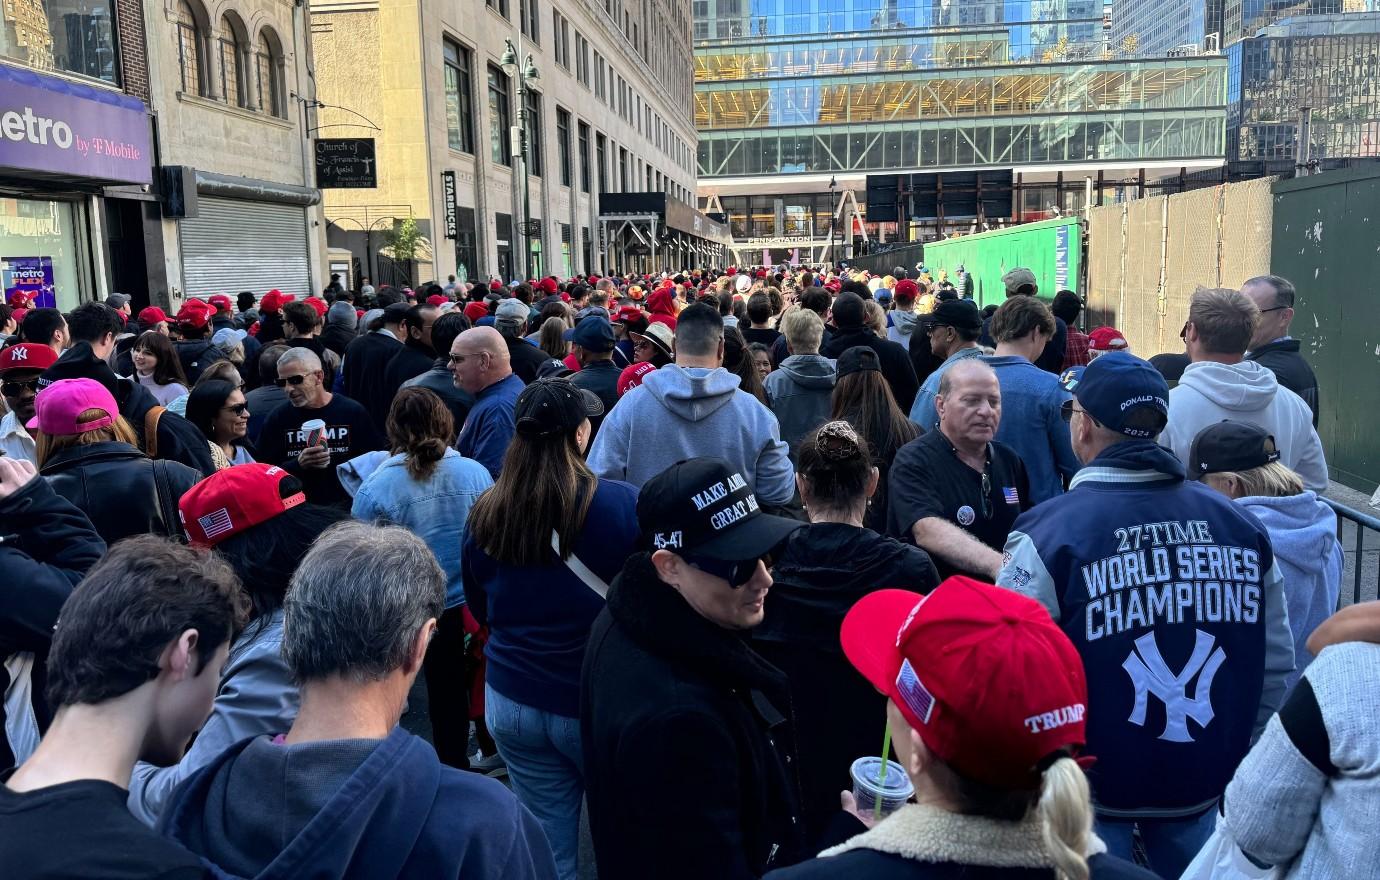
216, 523
914, 693
1010, 494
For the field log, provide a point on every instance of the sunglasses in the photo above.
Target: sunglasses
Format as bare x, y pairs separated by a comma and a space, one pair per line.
986, 496
238, 408
14, 389
290, 380
736, 573
1066, 411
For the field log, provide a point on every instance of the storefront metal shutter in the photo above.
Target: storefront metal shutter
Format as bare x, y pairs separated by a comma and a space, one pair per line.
235, 245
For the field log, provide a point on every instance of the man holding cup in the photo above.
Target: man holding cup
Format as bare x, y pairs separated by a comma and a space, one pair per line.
316, 431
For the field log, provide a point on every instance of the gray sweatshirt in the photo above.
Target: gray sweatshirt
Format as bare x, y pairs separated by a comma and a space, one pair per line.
1306, 798
800, 393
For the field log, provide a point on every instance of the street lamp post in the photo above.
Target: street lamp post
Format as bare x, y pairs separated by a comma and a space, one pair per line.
525, 73
833, 217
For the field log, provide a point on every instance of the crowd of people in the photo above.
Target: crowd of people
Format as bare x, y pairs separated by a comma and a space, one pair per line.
673, 552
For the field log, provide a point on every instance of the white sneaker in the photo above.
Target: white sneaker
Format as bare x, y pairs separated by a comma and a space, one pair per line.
489, 765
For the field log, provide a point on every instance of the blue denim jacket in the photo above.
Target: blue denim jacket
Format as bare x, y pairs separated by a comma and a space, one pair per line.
436, 509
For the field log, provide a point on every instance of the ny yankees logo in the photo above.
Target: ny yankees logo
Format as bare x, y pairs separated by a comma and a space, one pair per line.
20, 354
1150, 675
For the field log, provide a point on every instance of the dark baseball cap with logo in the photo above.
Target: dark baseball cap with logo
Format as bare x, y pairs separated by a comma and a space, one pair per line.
704, 508
961, 314
1230, 447
553, 406
1122, 392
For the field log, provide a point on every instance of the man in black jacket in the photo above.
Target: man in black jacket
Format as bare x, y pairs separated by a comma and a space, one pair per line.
850, 320
510, 319
194, 349
592, 342
417, 353
438, 376
687, 733
48, 546
365, 362
1272, 345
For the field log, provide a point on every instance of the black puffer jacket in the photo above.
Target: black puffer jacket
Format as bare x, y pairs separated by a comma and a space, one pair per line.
820, 572
120, 489
687, 733
1291, 370
894, 359
49, 545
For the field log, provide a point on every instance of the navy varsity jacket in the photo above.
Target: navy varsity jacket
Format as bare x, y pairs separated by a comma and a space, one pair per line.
1170, 592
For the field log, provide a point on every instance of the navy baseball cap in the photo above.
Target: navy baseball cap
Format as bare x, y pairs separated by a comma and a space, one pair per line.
594, 333
1122, 392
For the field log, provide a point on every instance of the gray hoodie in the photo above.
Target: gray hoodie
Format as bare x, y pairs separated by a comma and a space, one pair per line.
903, 325
799, 393
679, 413
1245, 392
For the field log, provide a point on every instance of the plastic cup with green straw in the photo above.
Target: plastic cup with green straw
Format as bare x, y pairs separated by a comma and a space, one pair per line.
881, 774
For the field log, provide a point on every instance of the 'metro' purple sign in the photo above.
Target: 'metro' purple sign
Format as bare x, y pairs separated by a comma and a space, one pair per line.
53, 125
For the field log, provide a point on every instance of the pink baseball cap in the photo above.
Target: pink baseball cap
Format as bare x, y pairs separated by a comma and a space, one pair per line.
58, 407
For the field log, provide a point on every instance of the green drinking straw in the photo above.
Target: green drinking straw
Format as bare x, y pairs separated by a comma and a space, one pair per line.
881, 775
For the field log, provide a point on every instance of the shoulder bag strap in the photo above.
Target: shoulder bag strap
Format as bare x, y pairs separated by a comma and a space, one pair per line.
579, 569
151, 430
172, 522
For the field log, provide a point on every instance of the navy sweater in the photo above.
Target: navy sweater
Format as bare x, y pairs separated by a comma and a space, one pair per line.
539, 616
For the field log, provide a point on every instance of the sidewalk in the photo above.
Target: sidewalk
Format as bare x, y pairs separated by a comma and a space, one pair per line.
1369, 560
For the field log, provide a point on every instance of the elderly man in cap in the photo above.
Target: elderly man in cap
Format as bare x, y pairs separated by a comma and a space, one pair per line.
1021, 282
20, 367
1172, 595
950, 333
510, 320
592, 344
668, 674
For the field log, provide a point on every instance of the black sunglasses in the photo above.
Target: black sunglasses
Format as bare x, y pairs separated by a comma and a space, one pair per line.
14, 389
736, 573
237, 408
290, 380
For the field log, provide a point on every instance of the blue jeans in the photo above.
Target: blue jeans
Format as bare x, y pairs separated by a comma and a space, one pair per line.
1170, 844
546, 769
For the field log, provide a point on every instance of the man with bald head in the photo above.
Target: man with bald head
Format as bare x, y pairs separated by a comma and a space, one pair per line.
956, 491
479, 362
312, 455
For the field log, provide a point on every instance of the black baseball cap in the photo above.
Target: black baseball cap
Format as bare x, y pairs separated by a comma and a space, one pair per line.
553, 406
704, 507
1230, 446
858, 359
960, 314
553, 368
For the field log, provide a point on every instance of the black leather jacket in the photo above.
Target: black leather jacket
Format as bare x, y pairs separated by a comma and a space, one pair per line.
118, 488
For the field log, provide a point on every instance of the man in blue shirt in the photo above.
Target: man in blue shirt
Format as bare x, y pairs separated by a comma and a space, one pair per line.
951, 332
1030, 397
479, 362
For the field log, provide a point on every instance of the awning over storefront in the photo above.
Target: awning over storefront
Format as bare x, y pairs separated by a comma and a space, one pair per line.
61, 130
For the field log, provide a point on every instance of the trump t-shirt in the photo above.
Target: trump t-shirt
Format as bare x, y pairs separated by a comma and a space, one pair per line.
349, 432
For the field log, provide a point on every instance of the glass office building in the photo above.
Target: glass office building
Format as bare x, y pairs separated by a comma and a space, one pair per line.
789, 93
1328, 63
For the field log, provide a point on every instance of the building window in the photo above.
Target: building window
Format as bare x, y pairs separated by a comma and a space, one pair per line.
76, 36
581, 59
232, 80
503, 227
189, 49
459, 111
563, 143
566, 269
466, 260
500, 118
587, 247
599, 76
584, 157
601, 153
532, 106
499, 6
528, 20
268, 64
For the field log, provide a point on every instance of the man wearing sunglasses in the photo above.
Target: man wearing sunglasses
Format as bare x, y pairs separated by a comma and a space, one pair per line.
687, 732
283, 441
20, 367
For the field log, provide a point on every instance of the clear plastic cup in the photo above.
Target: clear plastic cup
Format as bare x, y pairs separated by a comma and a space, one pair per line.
868, 790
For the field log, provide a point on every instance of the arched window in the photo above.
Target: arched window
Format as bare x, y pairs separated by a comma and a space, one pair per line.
232, 81
189, 49
269, 78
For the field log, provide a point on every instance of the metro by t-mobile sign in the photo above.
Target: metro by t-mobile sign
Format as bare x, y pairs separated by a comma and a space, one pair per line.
56, 126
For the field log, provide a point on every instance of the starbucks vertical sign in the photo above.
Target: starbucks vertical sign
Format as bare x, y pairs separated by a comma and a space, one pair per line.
448, 207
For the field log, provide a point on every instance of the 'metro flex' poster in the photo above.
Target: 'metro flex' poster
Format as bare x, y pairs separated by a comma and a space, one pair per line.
31, 275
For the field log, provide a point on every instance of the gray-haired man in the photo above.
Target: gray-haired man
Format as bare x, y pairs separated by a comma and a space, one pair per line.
347, 792
311, 455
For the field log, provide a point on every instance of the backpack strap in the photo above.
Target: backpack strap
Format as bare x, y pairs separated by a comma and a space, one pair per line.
167, 502
151, 419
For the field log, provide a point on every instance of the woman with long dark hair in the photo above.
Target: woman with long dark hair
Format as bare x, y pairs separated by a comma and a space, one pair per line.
819, 572
542, 545
863, 398
219, 409
157, 367
429, 488
737, 362
256, 517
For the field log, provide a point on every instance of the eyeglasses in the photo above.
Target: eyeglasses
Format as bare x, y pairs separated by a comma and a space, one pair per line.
1274, 309
736, 573
237, 408
457, 359
1067, 409
285, 381
986, 495
14, 388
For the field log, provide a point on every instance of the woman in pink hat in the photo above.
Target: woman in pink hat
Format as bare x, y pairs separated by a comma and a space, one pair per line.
90, 456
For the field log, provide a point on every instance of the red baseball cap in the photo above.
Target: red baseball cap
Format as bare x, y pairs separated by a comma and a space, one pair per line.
57, 408
21, 299
632, 376
152, 315
319, 304
27, 356
435, 299
1107, 339
195, 313
547, 285
18, 314
983, 674
220, 301
234, 499
476, 310
273, 301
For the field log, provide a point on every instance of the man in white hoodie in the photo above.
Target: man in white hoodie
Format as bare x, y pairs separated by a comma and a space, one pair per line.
1220, 383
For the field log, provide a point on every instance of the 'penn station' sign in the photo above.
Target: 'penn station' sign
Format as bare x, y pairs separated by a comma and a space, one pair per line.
56, 126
